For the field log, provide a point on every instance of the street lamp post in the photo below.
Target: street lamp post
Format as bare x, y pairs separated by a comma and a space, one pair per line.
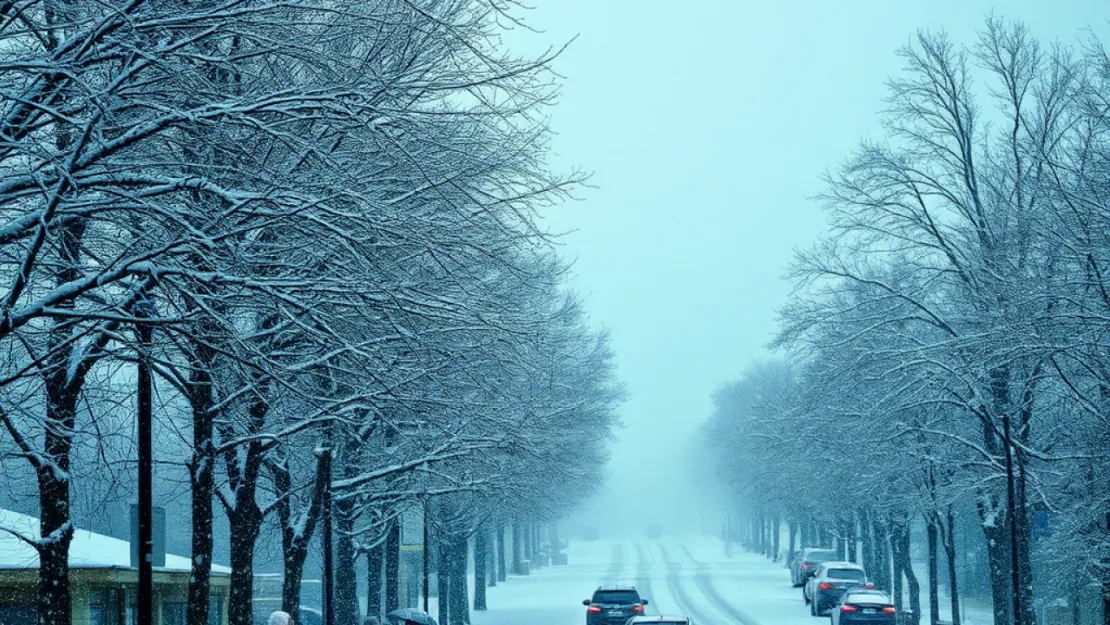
1018, 616
329, 568
425, 556
144, 309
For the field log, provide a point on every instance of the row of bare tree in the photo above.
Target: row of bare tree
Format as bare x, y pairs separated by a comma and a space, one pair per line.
327, 213
946, 340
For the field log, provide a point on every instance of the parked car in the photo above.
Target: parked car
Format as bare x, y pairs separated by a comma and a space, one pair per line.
657, 620
864, 605
829, 583
807, 561
613, 605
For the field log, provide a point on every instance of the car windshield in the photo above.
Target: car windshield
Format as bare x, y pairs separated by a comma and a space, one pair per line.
867, 598
620, 597
855, 575
820, 556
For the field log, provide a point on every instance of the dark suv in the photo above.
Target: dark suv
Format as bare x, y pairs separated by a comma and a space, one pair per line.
613, 605
805, 564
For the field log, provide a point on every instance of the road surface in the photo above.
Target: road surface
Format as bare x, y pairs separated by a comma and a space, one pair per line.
688, 577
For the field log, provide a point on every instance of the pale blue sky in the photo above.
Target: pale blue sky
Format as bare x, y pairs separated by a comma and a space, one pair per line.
707, 124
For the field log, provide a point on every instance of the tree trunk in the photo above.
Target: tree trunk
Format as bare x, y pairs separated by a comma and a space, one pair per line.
203, 480
867, 541
246, 522
56, 528
518, 549
530, 544
998, 555
931, 521
481, 557
900, 540
491, 559
949, 542
992, 513
375, 561
882, 556
243, 466
443, 580
896, 569
853, 547
53, 589
793, 524
346, 580
1106, 585
393, 567
295, 539
501, 562
535, 556
460, 610
1024, 538
776, 536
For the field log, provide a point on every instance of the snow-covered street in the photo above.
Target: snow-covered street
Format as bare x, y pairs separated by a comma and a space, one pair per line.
689, 577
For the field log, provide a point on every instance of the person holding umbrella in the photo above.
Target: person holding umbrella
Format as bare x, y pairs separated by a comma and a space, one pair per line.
410, 616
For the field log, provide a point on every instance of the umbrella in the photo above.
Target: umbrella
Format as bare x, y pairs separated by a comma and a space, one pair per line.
411, 615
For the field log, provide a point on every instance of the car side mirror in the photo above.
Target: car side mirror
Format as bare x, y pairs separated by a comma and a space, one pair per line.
586, 602
645, 602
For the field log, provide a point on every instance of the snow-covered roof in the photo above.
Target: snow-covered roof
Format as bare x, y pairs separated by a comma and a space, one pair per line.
88, 550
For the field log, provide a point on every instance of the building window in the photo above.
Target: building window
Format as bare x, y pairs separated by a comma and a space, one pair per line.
173, 613
104, 607
17, 614
215, 610
131, 597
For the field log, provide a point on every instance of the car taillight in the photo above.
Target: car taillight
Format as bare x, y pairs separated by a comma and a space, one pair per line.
847, 608
807, 565
638, 608
825, 586
594, 609
889, 609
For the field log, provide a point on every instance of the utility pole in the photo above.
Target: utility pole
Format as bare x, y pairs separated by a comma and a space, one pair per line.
329, 567
1018, 617
426, 558
143, 309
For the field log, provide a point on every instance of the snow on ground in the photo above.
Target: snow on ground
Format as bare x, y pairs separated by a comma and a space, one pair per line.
683, 577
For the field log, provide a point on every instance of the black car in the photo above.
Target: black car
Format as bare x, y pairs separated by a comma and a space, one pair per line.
806, 562
860, 605
613, 605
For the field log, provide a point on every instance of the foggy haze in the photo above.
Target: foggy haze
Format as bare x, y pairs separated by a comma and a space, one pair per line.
594, 312
707, 126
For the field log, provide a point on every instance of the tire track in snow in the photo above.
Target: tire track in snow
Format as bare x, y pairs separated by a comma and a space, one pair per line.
705, 582
674, 583
643, 579
616, 565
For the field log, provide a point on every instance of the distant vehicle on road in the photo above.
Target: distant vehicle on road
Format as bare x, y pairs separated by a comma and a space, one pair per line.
614, 605
832, 579
864, 605
655, 530
590, 533
806, 562
664, 620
